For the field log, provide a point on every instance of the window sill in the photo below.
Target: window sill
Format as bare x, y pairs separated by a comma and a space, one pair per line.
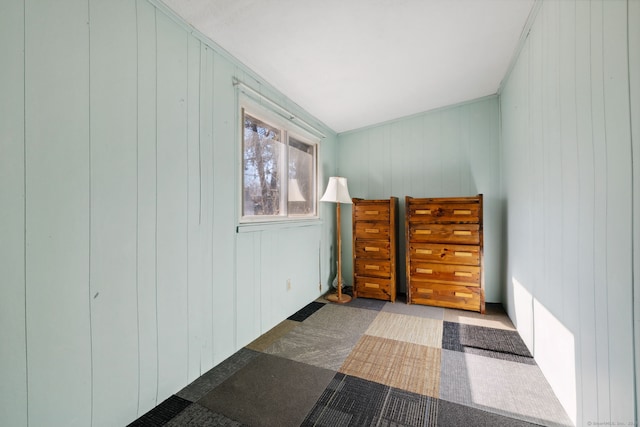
250, 227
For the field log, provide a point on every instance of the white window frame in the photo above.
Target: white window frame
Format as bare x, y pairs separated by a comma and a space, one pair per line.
288, 130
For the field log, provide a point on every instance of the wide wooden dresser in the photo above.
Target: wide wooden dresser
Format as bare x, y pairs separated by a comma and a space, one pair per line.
444, 252
375, 248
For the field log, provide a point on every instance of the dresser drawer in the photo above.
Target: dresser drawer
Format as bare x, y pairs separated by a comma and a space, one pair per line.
444, 212
450, 254
367, 211
468, 275
368, 248
451, 296
372, 268
371, 287
372, 230
440, 233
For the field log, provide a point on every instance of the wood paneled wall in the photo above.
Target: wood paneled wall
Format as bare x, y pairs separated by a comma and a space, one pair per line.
570, 117
122, 274
453, 151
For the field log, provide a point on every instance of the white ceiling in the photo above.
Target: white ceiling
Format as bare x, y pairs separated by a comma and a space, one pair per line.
353, 63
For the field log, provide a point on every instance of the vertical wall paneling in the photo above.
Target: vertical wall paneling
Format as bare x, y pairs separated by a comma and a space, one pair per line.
13, 352
172, 200
634, 97
568, 160
427, 156
600, 211
225, 147
195, 250
146, 208
248, 285
206, 204
57, 212
113, 262
587, 381
619, 202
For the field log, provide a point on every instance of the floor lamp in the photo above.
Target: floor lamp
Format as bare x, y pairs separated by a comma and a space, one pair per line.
337, 192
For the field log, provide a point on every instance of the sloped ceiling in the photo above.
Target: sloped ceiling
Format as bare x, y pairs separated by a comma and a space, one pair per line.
354, 63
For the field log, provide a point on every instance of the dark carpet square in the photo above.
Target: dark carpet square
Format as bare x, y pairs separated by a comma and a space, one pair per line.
454, 415
199, 416
306, 311
352, 401
269, 391
348, 401
215, 376
163, 413
403, 408
488, 342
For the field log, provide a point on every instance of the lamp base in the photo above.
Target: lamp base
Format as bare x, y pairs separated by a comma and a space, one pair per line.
343, 299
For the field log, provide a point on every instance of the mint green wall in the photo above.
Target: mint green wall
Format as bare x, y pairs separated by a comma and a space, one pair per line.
123, 277
570, 158
452, 151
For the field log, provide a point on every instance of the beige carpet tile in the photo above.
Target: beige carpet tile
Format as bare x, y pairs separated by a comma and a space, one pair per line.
273, 335
411, 329
398, 364
494, 317
342, 318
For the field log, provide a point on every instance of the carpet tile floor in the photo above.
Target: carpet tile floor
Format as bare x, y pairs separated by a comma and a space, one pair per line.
372, 363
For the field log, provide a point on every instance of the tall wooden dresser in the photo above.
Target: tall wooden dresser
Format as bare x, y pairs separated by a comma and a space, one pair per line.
375, 248
445, 252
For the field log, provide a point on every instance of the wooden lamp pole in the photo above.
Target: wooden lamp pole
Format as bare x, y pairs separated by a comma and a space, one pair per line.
337, 192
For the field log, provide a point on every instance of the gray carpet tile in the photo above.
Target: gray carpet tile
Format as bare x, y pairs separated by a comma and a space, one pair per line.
453, 415
325, 338
199, 416
269, 391
212, 378
489, 342
417, 310
342, 318
352, 401
163, 413
306, 311
368, 303
501, 387
315, 346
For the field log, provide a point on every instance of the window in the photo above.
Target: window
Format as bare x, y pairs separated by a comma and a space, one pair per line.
279, 170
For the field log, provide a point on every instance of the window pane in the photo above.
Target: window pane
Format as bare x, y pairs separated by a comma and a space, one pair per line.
263, 157
301, 178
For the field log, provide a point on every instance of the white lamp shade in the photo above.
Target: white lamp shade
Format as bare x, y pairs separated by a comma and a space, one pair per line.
295, 195
337, 191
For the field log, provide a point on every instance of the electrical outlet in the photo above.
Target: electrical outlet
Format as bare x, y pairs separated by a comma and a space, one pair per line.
288, 284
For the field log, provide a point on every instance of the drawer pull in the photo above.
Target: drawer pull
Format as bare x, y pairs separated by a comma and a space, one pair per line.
463, 294
371, 285
462, 274
371, 249
425, 291
461, 212
423, 211
463, 254
371, 267
461, 233
371, 212
424, 270
371, 230
423, 231
424, 251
